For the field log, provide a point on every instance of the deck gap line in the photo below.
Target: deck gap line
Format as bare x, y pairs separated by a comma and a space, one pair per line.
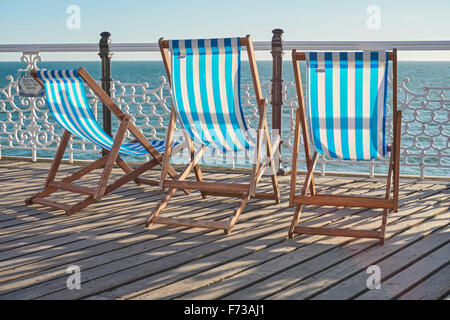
336, 246
359, 270
420, 257
308, 219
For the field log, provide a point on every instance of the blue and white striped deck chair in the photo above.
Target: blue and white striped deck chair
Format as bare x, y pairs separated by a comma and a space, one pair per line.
205, 82
345, 115
68, 105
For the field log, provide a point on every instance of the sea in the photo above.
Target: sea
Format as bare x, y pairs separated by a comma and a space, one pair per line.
420, 74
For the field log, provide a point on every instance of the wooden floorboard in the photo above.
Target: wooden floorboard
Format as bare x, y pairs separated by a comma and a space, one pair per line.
120, 259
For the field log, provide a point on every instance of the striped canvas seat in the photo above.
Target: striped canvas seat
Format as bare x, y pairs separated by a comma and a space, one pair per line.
67, 102
347, 103
205, 79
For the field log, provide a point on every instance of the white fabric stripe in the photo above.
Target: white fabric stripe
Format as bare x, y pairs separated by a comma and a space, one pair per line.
197, 94
337, 105
321, 102
231, 135
366, 105
351, 105
210, 91
381, 73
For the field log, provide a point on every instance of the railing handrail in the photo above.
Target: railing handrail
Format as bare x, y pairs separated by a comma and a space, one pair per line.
258, 45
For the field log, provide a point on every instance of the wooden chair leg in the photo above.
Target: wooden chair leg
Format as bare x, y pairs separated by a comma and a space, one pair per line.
56, 162
199, 177
161, 205
197, 170
396, 171
164, 201
237, 212
295, 220
383, 226
58, 157
80, 205
112, 156
168, 150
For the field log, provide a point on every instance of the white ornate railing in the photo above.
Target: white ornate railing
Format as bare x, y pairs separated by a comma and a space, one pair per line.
28, 130
425, 131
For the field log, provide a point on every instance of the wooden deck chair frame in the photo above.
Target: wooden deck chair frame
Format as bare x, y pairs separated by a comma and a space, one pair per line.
387, 203
238, 190
107, 161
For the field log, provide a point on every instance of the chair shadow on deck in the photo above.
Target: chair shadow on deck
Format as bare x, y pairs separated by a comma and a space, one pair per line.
118, 257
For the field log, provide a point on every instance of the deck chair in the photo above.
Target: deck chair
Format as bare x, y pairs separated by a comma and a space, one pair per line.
347, 119
67, 102
205, 82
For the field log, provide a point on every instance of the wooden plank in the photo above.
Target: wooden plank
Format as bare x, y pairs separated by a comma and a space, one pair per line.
59, 226
338, 232
56, 224
116, 249
224, 271
199, 223
140, 263
393, 287
291, 267
336, 271
208, 186
344, 201
434, 288
72, 187
98, 248
229, 193
148, 181
51, 203
128, 249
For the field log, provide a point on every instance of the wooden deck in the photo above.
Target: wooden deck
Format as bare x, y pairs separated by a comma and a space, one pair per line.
120, 259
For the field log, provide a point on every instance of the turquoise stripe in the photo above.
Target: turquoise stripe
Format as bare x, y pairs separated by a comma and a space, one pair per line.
313, 107
359, 123
343, 81
329, 104
373, 104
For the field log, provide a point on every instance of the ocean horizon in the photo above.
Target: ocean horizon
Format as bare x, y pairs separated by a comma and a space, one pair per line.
420, 74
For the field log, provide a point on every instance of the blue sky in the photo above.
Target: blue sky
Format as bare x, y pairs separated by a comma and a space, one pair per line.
44, 21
